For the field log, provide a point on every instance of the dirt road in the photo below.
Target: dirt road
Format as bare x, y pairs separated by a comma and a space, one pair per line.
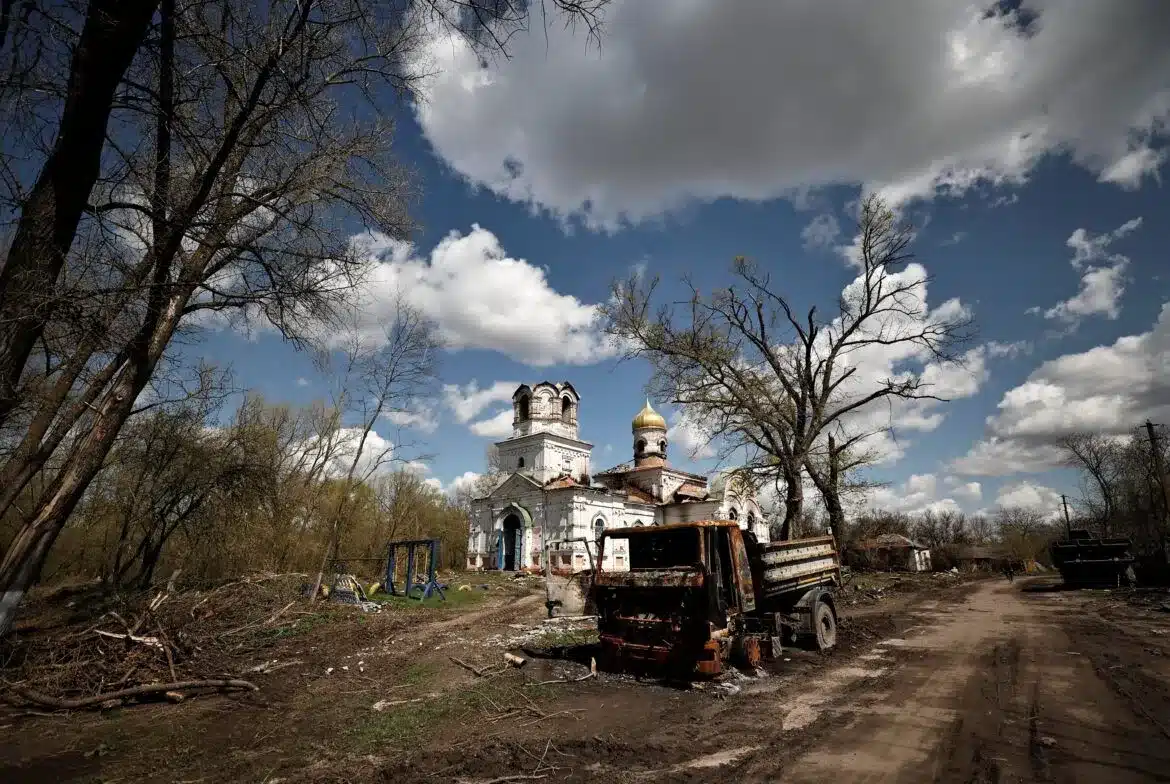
1011, 685
955, 681
1008, 683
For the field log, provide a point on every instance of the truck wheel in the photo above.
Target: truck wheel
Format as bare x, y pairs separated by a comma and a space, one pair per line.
824, 626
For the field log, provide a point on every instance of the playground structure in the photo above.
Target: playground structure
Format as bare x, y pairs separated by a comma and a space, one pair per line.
420, 557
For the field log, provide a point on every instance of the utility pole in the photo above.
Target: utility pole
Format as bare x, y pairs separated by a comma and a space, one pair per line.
1067, 523
1160, 471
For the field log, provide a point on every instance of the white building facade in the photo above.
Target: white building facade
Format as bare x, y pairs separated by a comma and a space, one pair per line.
548, 498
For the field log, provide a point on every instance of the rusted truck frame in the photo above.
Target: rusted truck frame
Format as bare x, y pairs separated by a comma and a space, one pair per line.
700, 595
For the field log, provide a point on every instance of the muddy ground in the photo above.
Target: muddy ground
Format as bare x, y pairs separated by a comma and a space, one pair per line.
936, 679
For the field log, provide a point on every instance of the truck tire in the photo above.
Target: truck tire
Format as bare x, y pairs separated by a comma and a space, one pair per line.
824, 621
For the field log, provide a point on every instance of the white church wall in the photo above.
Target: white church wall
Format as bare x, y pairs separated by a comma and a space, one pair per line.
690, 512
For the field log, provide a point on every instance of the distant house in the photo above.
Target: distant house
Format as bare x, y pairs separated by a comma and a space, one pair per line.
892, 552
989, 558
978, 556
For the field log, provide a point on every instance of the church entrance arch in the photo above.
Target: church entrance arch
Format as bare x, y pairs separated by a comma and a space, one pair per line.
511, 550
510, 527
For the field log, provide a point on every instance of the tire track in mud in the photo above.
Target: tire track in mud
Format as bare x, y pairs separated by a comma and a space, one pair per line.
895, 725
1007, 689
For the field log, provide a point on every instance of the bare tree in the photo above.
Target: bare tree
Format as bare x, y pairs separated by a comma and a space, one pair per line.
381, 377
118, 60
773, 384
1099, 457
1025, 533
215, 165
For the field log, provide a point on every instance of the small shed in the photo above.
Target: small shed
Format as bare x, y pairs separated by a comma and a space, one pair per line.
893, 552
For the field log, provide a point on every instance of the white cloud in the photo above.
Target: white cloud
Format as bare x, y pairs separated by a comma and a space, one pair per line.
1030, 496
481, 298
821, 232
995, 456
873, 364
920, 493
968, 491
1009, 350
1103, 280
467, 402
1107, 389
499, 426
465, 481
376, 456
416, 467
422, 418
303, 382
1131, 170
687, 101
690, 437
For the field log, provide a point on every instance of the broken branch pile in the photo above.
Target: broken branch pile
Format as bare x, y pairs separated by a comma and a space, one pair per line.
110, 649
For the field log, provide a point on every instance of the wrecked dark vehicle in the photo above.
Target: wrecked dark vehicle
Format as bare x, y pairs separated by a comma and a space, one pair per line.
1085, 560
689, 598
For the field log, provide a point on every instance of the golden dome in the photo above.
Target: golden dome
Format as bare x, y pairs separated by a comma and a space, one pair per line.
648, 417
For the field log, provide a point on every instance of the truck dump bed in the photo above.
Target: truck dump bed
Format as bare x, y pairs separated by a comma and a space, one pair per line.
1084, 559
795, 566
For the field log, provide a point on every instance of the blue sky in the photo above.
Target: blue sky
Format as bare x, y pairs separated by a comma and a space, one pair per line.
1001, 194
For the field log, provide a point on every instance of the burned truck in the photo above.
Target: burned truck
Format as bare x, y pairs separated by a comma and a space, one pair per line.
1085, 560
687, 599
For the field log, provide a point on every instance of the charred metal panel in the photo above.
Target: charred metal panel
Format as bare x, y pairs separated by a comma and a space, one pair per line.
651, 578
791, 566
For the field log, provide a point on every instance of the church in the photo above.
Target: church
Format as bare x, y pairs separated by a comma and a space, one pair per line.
547, 495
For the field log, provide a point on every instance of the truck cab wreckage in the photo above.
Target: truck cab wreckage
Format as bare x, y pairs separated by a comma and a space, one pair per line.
696, 596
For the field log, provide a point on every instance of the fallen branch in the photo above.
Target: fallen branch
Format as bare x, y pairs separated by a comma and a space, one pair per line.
152, 641
479, 672
137, 691
584, 677
166, 649
267, 667
251, 624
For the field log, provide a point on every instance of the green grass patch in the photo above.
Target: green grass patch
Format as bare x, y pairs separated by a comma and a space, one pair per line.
407, 726
302, 625
565, 638
454, 599
419, 673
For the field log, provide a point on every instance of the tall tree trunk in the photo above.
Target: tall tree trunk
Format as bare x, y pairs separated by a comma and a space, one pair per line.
827, 480
30, 547
113, 32
793, 504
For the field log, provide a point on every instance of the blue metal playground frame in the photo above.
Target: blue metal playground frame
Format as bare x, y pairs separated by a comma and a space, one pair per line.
430, 585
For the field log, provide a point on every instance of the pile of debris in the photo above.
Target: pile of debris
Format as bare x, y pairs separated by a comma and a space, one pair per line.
102, 650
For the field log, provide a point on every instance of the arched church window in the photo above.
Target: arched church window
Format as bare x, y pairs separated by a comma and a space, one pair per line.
520, 463
566, 409
751, 520
641, 446
662, 446
733, 514
598, 528
525, 407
